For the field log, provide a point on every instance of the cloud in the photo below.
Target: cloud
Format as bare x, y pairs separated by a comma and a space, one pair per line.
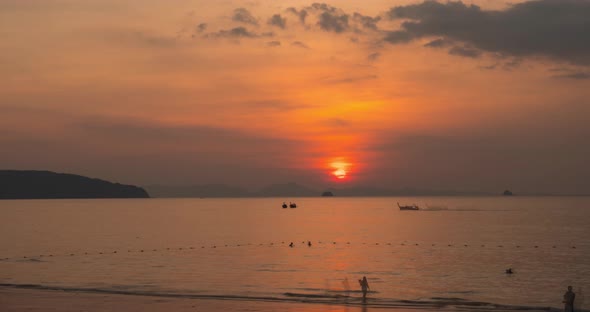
373, 56
367, 21
337, 122
277, 20
574, 75
438, 43
398, 36
299, 44
238, 32
302, 14
350, 79
273, 43
337, 23
201, 27
142, 38
464, 51
242, 15
549, 28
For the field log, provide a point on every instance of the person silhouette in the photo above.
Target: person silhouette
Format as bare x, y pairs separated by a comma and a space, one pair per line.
364, 286
568, 300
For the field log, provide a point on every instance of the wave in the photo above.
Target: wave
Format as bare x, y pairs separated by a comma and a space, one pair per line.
340, 298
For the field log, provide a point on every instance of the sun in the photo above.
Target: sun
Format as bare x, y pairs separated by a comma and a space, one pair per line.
340, 169
339, 173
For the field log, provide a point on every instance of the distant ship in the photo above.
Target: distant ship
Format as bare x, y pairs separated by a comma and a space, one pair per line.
327, 193
507, 193
409, 207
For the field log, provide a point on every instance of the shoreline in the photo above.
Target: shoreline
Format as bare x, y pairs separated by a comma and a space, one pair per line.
17, 299
37, 300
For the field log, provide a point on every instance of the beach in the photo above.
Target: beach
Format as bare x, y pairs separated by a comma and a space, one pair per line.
18, 300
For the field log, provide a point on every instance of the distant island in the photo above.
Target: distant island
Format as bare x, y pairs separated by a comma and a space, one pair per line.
25, 184
292, 189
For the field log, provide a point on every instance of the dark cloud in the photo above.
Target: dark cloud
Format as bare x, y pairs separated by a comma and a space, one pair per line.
338, 122
302, 14
551, 28
323, 7
299, 44
374, 56
352, 79
532, 160
201, 27
438, 43
333, 22
143, 38
398, 36
238, 32
574, 75
277, 20
367, 21
464, 51
273, 43
244, 16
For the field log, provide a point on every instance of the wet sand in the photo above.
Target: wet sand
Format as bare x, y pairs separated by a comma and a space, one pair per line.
33, 300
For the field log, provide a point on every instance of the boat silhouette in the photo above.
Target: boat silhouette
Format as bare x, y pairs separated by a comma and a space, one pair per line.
408, 207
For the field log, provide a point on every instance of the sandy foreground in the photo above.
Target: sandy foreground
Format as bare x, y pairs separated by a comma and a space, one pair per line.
14, 299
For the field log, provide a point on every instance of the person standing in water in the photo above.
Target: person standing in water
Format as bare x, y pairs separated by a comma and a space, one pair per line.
364, 286
568, 300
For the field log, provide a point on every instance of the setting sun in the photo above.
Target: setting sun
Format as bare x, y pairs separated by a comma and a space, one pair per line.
340, 167
339, 173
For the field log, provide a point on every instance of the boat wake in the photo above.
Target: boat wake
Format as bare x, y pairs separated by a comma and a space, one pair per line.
331, 298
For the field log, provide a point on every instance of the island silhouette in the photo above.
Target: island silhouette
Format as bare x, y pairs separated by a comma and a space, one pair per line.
31, 184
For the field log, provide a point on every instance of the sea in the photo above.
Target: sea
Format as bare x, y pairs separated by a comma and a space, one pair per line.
451, 255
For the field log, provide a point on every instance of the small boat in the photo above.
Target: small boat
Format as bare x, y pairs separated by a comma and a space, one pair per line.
292, 205
284, 205
409, 207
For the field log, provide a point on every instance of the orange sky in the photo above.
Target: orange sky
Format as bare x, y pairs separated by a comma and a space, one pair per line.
138, 92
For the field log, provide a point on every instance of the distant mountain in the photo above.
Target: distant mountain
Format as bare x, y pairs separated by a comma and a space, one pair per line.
18, 184
287, 189
207, 190
293, 190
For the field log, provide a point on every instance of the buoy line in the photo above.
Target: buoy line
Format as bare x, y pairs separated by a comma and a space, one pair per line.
290, 244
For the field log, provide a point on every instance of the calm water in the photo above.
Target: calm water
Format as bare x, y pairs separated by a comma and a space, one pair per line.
452, 255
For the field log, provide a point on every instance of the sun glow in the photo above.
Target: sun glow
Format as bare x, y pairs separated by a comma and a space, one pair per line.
341, 169
339, 173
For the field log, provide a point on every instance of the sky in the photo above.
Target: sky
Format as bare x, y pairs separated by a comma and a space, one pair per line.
472, 96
